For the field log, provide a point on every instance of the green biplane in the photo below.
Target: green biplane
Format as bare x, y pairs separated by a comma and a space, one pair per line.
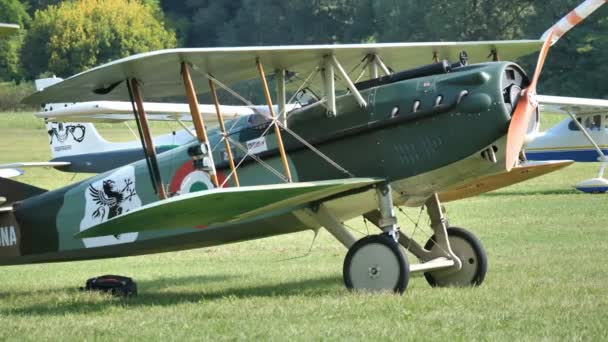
431, 133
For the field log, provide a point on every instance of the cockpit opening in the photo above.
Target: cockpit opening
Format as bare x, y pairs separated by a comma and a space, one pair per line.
590, 122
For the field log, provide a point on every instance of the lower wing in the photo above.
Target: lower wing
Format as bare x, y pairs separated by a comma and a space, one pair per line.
500, 180
225, 205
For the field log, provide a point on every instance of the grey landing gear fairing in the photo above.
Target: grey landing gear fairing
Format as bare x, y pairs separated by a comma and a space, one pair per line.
451, 257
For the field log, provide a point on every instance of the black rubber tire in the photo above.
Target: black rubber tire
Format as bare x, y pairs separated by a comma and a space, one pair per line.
382, 239
480, 258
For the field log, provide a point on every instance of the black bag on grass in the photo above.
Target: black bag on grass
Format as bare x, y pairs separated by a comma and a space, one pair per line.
113, 284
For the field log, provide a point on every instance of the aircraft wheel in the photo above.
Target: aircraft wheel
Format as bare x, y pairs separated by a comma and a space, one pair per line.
471, 253
376, 263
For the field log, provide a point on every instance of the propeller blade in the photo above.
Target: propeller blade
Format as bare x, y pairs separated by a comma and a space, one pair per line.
544, 51
574, 17
526, 105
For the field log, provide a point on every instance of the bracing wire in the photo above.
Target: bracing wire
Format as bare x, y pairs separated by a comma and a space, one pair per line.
276, 121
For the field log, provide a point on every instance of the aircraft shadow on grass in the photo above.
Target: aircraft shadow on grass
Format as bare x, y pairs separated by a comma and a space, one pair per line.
152, 293
532, 193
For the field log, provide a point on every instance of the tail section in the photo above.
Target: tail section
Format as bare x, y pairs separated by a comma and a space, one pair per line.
14, 191
71, 138
80, 145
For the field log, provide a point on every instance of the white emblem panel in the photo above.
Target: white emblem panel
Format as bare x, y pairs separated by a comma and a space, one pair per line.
107, 198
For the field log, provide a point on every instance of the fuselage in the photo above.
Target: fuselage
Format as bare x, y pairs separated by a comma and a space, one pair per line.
422, 135
566, 141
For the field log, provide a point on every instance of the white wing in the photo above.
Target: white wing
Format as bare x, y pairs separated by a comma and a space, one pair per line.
574, 105
160, 77
33, 164
10, 173
118, 111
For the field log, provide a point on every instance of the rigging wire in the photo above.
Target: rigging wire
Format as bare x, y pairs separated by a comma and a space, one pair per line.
276, 120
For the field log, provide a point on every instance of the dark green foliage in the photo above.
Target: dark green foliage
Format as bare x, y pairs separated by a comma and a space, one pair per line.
14, 12
574, 67
11, 95
74, 36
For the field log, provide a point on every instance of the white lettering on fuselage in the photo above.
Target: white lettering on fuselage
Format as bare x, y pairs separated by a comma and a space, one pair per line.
8, 237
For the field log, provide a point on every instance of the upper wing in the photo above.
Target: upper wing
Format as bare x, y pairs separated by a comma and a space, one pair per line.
572, 105
224, 205
6, 29
159, 71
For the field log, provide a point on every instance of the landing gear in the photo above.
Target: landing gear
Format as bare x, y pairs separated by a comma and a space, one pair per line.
376, 263
452, 257
472, 255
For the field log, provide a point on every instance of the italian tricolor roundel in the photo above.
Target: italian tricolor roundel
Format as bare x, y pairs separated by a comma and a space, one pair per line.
187, 180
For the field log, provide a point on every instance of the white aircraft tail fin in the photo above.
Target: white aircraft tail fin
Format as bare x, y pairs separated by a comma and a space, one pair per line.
46, 82
70, 138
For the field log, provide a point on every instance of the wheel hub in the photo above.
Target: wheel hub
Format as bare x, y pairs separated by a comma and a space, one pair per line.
375, 271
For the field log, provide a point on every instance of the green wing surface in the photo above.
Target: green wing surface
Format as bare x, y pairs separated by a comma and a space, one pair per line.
223, 205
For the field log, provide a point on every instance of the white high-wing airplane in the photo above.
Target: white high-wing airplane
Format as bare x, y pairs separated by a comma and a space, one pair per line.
76, 145
582, 136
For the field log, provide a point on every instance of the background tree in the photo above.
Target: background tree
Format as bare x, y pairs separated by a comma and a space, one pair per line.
70, 37
576, 65
14, 12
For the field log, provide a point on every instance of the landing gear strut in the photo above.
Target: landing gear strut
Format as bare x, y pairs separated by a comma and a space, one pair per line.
470, 252
376, 262
451, 257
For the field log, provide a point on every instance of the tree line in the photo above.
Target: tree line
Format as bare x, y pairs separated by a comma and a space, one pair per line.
66, 37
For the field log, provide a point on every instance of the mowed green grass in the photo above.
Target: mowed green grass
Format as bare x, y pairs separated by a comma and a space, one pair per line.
548, 276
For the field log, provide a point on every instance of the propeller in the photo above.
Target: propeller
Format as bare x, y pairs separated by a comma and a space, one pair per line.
524, 110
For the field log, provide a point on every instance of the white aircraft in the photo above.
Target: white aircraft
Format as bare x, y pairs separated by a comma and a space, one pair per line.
582, 136
76, 145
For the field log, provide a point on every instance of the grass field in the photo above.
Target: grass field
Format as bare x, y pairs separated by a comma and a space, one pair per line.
547, 279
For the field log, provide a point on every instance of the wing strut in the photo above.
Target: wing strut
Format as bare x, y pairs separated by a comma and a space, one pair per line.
329, 84
224, 134
351, 86
277, 130
281, 96
149, 149
199, 124
602, 157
